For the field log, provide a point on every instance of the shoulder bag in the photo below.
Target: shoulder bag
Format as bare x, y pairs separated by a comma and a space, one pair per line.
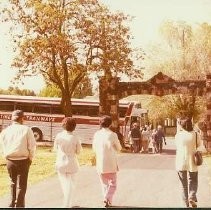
198, 159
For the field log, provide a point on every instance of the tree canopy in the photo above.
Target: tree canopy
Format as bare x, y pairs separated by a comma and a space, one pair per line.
67, 40
184, 50
183, 54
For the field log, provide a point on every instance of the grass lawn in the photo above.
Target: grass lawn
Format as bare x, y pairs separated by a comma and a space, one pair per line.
42, 167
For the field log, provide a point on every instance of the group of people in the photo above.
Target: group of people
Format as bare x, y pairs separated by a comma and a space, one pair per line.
143, 139
19, 148
105, 145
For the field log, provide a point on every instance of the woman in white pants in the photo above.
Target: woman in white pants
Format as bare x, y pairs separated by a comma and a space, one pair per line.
67, 145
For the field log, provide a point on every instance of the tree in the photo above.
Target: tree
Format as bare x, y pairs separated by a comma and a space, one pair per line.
188, 105
109, 51
83, 89
66, 40
157, 109
50, 91
17, 91
202, 49
184, 51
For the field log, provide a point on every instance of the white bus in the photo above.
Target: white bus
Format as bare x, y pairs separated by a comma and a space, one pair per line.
44, 115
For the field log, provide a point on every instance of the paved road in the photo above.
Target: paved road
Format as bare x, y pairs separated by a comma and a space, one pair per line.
144, 180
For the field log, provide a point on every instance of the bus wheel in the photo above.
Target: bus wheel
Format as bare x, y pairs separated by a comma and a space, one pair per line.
37, 133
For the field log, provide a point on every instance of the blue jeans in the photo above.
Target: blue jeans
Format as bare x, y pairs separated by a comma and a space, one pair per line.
189, 184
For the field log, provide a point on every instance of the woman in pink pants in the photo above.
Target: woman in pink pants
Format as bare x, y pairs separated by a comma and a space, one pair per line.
106, 145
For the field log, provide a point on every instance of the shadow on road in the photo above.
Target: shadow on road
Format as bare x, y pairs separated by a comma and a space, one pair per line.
169, 152
165, 152
132, 207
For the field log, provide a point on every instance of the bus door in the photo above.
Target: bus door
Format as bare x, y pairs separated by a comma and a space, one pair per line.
128, 123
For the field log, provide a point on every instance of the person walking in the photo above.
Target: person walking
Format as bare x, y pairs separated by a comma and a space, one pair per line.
153, 141
145, 137
19, 147
160, 137
106, 145
187, 142
135, 137
202, 130
67, 145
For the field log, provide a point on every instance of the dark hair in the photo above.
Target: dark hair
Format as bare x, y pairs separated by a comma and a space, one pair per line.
186, 124
17, 115
105, 121
69, 123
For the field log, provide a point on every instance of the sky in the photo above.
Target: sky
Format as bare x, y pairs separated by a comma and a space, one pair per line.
148, 15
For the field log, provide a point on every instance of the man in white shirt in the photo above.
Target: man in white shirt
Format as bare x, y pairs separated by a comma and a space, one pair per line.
105, 145
19, 146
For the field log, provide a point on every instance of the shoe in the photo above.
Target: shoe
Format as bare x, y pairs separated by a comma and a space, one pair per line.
193, 204
107, 203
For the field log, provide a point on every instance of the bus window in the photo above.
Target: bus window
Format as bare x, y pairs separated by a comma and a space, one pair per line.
93, 111
122, 111
56, 110
42, 109
77, 110
6, 107
25, 107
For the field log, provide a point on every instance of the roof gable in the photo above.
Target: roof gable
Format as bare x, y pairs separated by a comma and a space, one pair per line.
160, 78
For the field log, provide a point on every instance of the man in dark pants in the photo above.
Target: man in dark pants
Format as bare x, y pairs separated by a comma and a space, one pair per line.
160, 136
135, 135
19, 146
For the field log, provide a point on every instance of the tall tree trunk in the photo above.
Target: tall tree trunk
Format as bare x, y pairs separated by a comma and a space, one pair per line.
66, 104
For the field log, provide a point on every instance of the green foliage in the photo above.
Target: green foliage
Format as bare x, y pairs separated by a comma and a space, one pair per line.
17, 91
156, 106
158, 109
83, 89
171, 106
180, 105
50, 91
